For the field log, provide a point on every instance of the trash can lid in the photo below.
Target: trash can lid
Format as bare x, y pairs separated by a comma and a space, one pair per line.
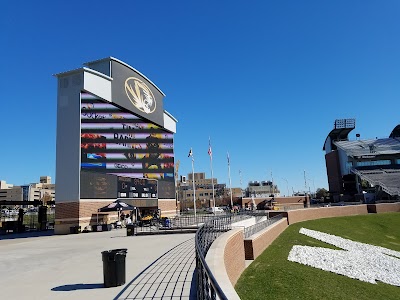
123, 250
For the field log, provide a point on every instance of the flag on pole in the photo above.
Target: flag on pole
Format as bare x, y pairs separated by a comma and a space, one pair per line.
209, 148
227, 153
190, 153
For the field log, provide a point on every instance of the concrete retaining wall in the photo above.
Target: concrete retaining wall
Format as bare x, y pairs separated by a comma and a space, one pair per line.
257, 243
384, 207
306, 214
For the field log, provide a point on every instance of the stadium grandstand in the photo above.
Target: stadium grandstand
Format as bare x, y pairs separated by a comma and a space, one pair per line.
367, 170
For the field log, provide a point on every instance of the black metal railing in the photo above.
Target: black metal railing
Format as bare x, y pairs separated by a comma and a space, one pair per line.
184, 223
253, 229
207, 285
30, 221
188, 223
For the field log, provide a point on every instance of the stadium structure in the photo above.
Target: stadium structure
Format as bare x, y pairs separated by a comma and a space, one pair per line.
114, 141
366, 170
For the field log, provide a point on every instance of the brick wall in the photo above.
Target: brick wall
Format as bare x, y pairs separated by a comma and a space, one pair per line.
300, 215
67, 210
225, 258
255, 245
234, 257
82, 214
167, 206
384, 207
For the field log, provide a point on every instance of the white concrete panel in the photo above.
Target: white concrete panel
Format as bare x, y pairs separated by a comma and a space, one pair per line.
169, 122
68, 136
97, 84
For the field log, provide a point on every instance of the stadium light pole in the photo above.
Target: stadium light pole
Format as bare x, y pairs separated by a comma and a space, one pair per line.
287, 186
305, 186
273, 188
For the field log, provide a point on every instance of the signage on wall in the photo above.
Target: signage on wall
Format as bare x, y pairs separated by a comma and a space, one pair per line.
140, 95
134, 92
115, 141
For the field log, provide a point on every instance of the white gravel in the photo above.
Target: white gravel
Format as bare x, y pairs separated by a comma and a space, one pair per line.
358, 260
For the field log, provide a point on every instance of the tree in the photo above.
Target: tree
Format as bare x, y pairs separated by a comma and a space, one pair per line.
46, 197
321, 192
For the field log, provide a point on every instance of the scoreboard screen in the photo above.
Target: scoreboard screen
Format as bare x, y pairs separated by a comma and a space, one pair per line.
95, 185
116, 141
137, 188
98, 186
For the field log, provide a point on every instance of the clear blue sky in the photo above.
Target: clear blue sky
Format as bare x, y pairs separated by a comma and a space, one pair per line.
265, 80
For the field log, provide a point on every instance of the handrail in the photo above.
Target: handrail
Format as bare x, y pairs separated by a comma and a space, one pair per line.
207, 285
253, 229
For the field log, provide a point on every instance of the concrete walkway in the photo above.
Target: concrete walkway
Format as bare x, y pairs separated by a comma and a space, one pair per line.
71, 267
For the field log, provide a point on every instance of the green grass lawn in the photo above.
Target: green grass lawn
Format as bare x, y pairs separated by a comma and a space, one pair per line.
272, 276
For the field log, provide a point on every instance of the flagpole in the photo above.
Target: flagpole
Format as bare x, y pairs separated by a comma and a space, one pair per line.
230, 182
212, 174
194, 186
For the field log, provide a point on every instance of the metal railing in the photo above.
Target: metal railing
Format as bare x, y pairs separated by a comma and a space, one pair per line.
253, 229
207, 285
186, 223
30, 221
183, 223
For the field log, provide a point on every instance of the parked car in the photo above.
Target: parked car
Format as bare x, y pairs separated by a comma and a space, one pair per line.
214, 210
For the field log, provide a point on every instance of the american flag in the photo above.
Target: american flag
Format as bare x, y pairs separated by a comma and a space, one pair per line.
227, 155
209, 148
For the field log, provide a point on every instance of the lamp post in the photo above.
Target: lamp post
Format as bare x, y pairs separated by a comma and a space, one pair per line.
287, 186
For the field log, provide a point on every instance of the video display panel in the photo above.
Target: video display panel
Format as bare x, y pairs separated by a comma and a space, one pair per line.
115, 141
137, 188
98, 186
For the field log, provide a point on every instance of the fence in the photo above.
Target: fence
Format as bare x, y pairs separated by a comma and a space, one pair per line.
253, 229
30, 220
185, 223
207, 286
189, 223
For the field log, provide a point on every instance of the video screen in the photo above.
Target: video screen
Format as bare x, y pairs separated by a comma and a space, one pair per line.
115, 141
137, 188
98, 186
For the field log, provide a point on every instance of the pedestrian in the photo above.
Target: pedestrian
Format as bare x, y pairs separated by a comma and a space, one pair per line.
128, 220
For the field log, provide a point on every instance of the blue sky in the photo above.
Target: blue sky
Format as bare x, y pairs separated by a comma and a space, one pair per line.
265, 80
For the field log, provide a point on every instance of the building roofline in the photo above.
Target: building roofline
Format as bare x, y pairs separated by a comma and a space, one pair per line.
83, 69
126, 65
171, 116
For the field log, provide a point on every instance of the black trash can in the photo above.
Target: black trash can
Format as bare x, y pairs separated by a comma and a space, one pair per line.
75, 229
130, 229
114, 267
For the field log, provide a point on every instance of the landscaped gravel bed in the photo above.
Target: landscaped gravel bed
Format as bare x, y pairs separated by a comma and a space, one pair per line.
358, 260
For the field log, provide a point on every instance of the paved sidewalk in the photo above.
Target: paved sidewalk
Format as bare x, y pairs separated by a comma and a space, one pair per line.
71, 267
170, 277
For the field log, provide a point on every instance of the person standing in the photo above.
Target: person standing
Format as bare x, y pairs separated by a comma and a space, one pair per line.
20, 220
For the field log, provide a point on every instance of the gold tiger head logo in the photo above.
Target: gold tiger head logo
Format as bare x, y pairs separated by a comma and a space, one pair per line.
140, 95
